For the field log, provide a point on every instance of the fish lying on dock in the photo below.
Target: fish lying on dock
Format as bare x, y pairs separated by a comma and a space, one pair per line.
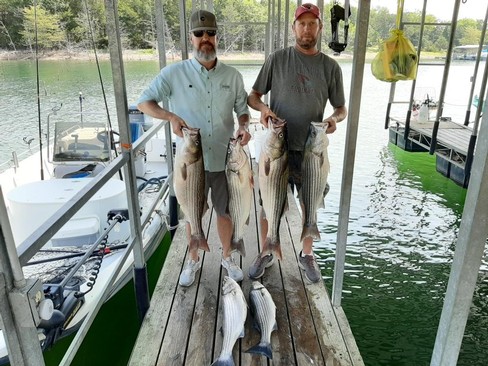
240, 185
189, 185
234, 309
273, 180
315, 170
263, 309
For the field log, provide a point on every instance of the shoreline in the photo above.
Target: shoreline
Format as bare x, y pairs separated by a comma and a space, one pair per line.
133, 55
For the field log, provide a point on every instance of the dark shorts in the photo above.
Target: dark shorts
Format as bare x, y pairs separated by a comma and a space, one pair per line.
295, 159
216, 182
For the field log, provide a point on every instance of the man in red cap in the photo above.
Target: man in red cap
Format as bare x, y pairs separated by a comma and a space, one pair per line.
301, 80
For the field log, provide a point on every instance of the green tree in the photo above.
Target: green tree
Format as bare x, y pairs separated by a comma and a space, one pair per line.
49, 34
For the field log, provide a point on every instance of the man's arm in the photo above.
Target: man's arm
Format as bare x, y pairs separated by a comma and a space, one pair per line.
337, 116
153, 109
254, 101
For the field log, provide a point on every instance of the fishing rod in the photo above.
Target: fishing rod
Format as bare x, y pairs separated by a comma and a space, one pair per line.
38, 91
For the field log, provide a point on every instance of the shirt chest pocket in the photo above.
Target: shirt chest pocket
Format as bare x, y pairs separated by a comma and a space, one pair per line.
224, 94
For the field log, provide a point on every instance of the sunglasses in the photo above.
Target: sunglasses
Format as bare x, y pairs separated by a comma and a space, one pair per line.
199, 33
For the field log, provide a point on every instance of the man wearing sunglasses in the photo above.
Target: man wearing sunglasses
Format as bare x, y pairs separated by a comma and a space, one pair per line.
301, 80
203, 93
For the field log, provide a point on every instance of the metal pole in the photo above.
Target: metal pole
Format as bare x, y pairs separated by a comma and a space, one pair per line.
160, 29
183, 32
115, 47
19, 330
474, 77
445, 76
350, 148
467, 259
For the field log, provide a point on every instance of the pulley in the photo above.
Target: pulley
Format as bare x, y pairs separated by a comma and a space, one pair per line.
338, 13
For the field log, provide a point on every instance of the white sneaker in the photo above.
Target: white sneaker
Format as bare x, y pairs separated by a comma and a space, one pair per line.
187, 276
233, 269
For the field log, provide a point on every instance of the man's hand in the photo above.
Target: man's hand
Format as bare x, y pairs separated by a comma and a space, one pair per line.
331, 124
177, 123
243, 135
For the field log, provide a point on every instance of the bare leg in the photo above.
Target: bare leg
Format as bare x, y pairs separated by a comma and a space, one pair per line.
224, 228
264, 227
194, 253
308, 241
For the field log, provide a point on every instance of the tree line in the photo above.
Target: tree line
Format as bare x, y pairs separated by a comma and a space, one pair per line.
73, 25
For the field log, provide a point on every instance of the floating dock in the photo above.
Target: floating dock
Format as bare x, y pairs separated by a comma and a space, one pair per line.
182, 326
451, 150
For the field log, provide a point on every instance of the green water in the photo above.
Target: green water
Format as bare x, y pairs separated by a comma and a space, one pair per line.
113, 333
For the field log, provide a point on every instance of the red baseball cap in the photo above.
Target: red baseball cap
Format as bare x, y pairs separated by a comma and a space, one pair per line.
308, 8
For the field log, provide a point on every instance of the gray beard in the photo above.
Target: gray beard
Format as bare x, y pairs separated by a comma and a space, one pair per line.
205, 56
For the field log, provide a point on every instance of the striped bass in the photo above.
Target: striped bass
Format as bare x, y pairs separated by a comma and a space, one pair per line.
189, 185
263, 309
240, 185
273, 180
315, 170
234, 309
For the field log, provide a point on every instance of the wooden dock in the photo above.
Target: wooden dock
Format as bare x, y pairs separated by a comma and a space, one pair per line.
182, 326
451, 150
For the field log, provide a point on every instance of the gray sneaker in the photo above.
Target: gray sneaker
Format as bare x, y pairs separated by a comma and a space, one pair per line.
233, 269
310, 266
259, 265
187, 276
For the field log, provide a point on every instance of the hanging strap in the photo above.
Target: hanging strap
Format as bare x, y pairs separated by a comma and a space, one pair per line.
399, 13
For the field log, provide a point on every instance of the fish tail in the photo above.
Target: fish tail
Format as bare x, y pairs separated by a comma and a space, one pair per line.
272, 246
238, 245
310, 231
223, 362
198, 242
262, 349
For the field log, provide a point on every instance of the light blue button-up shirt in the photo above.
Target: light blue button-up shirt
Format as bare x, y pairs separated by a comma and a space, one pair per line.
204, 99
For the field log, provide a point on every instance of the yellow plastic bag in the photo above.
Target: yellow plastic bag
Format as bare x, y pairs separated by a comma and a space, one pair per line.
397, 60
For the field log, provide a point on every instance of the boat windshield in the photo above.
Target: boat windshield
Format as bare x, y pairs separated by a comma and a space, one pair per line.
87, 141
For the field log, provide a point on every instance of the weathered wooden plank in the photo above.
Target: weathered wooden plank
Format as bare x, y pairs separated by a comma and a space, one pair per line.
328, 332
204, 325
349, 339
183, 324
302, 329
153, 329
181, 315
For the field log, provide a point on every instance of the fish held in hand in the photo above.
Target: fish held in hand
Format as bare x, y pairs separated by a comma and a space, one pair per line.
273, 181
189, 185
263, 309
234, 309
240, 186
315, 171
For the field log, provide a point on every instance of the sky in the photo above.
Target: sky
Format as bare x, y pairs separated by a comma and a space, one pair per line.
441, 9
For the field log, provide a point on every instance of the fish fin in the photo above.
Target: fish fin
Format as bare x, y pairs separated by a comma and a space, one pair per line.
310, 231
273, 247
247, 220
184, 173
262, 349
321, 204
242, 333
275, 326
251, 181
198, 242
238, 245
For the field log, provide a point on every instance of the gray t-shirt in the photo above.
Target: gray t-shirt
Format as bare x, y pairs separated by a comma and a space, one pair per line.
300, 87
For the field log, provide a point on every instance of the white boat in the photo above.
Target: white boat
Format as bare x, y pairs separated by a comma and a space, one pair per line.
80, 147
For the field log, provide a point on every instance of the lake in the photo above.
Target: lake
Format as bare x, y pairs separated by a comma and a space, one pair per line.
404, 216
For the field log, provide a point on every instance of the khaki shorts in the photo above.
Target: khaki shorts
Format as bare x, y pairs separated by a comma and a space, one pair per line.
216, 182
